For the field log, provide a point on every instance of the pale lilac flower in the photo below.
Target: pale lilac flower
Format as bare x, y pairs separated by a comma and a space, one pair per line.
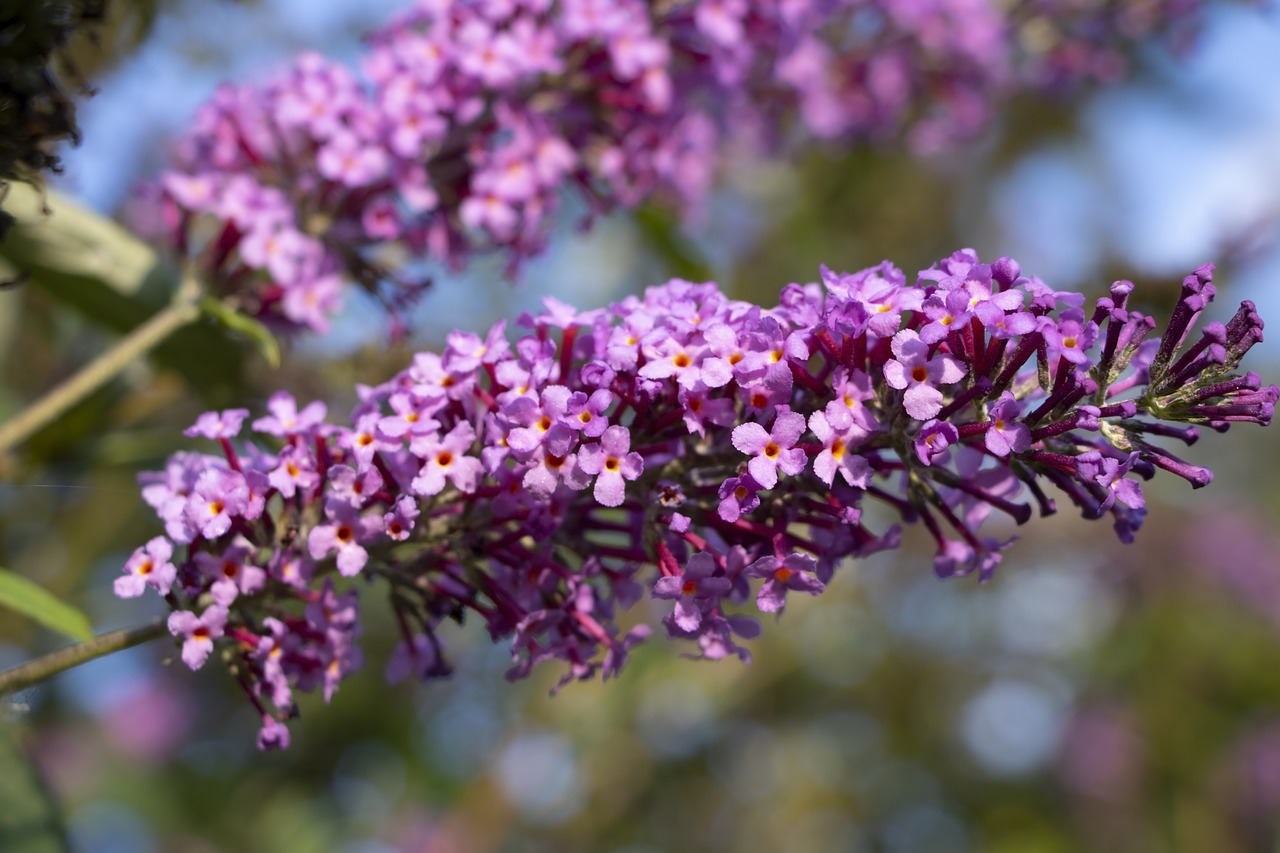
149, 566
917, 374
774, 449
1006, 435
197, 632
445, 459
695, 592
792, 573
225, 424
612, 463
285, 419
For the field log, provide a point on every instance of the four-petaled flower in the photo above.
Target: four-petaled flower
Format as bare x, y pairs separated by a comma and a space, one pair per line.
774, 449
149, 566
612, 463
197, 632
695, 592
793, 572
917, 374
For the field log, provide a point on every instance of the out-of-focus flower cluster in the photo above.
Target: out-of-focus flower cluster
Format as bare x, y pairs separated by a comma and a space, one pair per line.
710, 451
474, 118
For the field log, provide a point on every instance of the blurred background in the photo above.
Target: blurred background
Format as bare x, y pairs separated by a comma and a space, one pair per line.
1093, 696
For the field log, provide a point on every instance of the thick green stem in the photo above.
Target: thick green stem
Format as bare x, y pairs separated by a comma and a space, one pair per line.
183, 310
40, 669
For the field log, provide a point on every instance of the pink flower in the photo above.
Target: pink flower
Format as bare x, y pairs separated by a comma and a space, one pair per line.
772, 450
919, 375
612, 463
149, 566
197, 632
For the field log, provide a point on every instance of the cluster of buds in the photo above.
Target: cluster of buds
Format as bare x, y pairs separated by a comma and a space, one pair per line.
713, 452
474, 119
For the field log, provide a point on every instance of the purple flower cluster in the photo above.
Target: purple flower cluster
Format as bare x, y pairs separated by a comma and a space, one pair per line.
684, 441
474, 118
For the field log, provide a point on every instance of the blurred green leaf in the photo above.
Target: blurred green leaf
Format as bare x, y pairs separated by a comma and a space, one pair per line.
29, 820
245, 325
23, 596
93, 265
661, 231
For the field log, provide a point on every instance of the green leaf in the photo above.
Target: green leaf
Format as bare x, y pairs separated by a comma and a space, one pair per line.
30, 820
245, 325
661, 232
23, 596
92, 264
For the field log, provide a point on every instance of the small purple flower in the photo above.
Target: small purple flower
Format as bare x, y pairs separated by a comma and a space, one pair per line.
1070, 335
1005, 435
795, 572
935, 438
351, 487
919, 375
1109, 472
587, 414
273, 734
231, 574
612, 464
343, 534
738, 496
149, 566
293, 472
695, 592
219, 496
774, 449
215, 425
839, 433
197, 632
285, 419
446, 459
400, 521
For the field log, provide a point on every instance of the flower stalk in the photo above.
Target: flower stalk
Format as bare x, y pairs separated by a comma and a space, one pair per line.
43, 668
184, 309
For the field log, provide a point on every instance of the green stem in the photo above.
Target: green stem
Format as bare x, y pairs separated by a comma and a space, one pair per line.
42, 668
183, 310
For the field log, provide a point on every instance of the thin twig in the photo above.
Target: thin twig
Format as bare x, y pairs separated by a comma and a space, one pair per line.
183, 310
42, 668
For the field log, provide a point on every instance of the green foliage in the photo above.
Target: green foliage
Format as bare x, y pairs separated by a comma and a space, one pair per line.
29, 820
103, 272
19, 594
